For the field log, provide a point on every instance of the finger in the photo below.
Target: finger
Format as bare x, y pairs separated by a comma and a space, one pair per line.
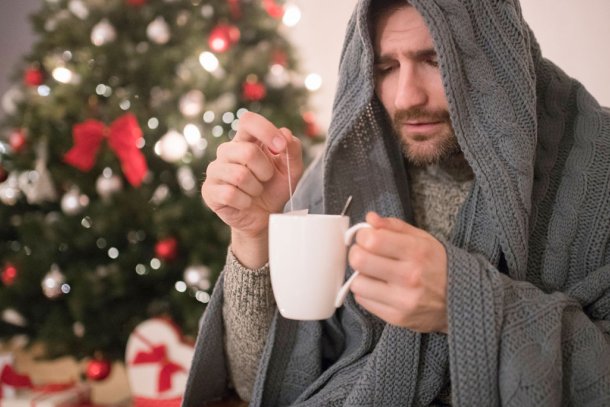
375, 266
237, 175
255, 128
371, 288
249, 155
395, 224
381, 310
222, 195
388, 243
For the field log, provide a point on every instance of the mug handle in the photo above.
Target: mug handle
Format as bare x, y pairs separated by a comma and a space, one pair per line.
348, 237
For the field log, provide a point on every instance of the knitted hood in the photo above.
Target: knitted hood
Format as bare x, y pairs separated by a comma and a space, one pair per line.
539, 211
492, 105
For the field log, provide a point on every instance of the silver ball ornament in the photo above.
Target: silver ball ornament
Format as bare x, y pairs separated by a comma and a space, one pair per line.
158, 31
103, 33
79, 9
54, 283
73, 202
191, 104
108, 184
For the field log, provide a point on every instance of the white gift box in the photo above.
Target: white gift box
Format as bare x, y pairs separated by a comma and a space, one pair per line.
157, 360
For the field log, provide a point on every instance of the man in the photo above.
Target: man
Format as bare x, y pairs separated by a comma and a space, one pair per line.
485, 279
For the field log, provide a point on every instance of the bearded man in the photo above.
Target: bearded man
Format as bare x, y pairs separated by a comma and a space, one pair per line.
485, 278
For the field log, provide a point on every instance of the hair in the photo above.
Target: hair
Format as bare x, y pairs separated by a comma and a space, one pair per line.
379, 8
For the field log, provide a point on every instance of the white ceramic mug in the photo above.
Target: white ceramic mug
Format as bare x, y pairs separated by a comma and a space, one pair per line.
307, 259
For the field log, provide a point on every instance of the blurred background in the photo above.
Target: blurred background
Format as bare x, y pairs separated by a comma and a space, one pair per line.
574, 35
106, 246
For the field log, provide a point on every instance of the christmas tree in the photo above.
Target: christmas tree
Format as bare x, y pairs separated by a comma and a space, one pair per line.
111, 122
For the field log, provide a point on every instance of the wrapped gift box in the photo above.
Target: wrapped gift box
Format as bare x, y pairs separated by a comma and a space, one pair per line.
10, 380
157, 360
50, 396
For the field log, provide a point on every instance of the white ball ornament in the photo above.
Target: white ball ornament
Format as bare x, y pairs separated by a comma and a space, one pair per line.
79, 9
73, 202
54, 283
191, 104
158, 31
9, 190
11, 99
107, 185
103, 33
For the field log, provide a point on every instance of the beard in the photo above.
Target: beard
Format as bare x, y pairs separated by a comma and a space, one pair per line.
422, 149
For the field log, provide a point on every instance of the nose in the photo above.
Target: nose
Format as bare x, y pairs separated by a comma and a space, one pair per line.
411, 90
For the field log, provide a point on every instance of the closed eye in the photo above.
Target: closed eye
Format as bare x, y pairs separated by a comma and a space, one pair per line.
384, 68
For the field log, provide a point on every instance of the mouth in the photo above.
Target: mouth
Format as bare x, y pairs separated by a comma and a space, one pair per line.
422, 127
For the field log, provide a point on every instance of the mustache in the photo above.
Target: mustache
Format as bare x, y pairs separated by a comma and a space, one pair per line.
420, 114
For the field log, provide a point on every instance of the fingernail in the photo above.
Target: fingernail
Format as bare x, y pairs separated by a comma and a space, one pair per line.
278, 143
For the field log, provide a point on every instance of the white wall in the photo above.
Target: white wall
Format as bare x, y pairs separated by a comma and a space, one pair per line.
573, 34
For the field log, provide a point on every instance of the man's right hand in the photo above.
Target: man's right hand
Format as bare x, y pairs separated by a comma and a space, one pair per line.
249, 180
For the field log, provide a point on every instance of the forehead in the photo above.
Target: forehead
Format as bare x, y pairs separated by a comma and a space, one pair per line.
402, 28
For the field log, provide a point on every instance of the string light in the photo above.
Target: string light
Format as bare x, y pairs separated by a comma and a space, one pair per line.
62, 74
180, 286
208, 61
313, 82
292, 15
192, 134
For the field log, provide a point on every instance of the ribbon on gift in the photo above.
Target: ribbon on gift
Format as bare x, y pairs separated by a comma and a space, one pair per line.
158, 354
62, 394
13, 379
147, 402
123, 135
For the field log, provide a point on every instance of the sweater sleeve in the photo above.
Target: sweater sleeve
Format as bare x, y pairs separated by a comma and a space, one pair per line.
510, 343
247, 311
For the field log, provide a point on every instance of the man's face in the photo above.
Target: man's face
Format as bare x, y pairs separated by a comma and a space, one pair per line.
408, 83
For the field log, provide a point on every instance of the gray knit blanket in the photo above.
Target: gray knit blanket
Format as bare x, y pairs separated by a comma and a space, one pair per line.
529, 257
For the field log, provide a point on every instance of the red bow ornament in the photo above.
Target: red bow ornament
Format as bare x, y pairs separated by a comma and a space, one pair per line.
123, 135
158, 354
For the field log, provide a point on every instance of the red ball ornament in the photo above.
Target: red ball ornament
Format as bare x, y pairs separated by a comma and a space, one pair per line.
33, 77
137, 3
9, 274
167, 249
253, 90
223, 36
273, 9
98, 369
17, 140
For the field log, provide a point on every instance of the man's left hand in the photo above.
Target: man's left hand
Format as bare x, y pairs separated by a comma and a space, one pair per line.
403, 274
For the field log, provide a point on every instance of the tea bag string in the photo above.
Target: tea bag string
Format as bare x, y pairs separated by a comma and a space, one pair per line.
289, 180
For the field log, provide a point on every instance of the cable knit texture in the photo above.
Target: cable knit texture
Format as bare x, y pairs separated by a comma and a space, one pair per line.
529, 258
